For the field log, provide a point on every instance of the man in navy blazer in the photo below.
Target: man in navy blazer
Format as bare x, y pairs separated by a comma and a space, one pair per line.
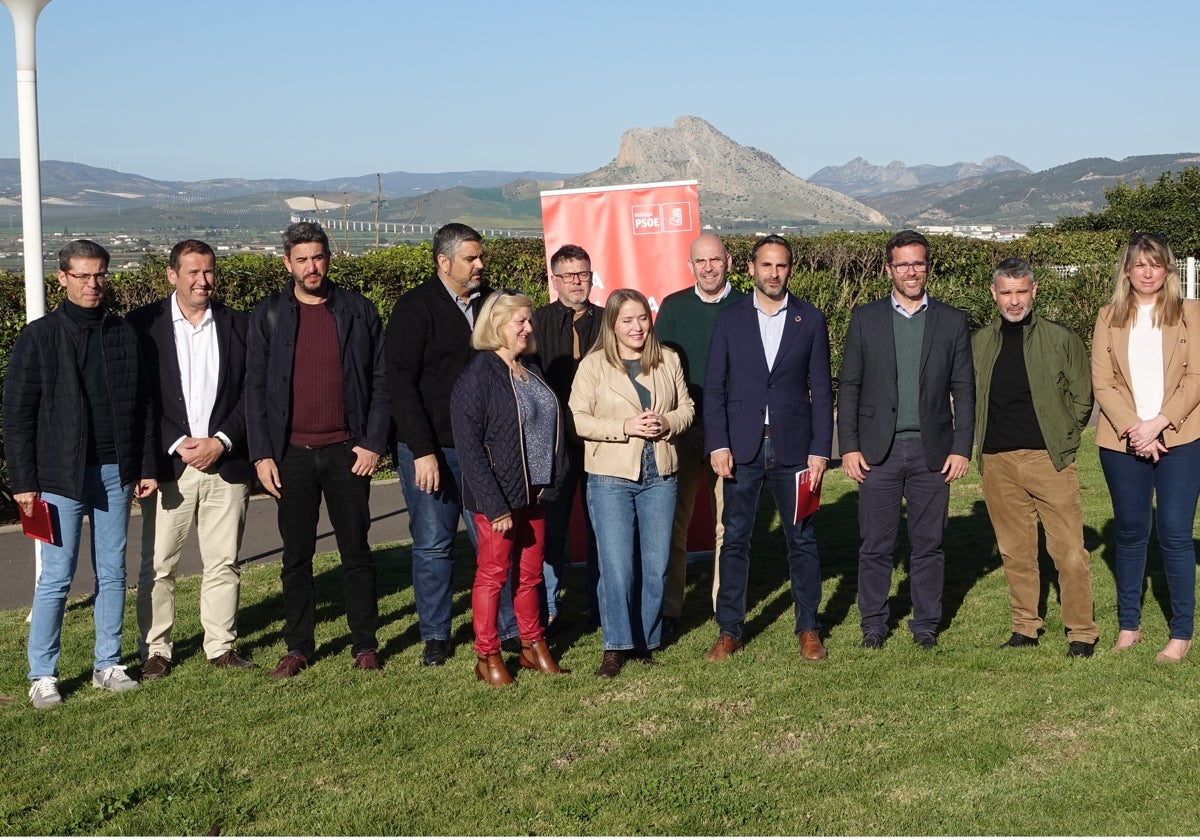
906, 409
197, 347
768, 413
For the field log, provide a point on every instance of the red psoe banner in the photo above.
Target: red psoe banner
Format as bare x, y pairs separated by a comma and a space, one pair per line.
638, 236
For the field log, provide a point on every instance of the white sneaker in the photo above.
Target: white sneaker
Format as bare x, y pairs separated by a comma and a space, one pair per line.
44, 693
113, 679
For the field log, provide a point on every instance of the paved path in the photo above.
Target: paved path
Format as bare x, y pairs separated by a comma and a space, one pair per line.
260, 544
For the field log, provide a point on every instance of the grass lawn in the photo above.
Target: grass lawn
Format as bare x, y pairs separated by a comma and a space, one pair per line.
966, 739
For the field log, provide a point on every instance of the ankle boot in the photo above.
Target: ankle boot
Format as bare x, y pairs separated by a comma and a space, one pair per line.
490, 668
535, 655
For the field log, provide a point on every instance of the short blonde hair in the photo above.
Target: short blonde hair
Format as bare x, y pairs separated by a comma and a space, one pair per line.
497, 311
606, 343
1168, 308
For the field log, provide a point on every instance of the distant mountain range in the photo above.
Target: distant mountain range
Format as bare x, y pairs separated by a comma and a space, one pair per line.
740, 188
68, 184
860, 178
1024, 198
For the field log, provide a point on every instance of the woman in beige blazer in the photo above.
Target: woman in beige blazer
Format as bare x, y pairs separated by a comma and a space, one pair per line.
1146, 375
630, 403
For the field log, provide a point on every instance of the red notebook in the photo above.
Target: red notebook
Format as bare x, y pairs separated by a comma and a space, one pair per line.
807, 500
38, 524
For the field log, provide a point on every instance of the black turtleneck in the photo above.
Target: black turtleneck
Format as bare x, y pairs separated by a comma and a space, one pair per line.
1011, 420
101, 444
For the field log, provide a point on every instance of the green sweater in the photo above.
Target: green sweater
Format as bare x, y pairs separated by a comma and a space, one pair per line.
1060, 381
685, 324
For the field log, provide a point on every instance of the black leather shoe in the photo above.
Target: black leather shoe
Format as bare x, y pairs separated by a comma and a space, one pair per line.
512, 645
873, 641
611, 665
1017, 640
436, 652
1080, 650
925, 641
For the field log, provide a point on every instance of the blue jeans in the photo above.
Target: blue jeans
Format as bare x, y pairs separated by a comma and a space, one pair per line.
433, 522
804, 562
106, 503
1173, 484
631, 594
558, 523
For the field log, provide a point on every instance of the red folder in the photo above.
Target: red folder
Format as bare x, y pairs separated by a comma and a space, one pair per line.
38, 524
807, 499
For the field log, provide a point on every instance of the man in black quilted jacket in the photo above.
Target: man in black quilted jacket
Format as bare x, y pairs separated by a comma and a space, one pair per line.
77, 436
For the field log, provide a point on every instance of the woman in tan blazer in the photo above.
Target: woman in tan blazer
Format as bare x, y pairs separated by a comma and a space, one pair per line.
1146, 375
630, 403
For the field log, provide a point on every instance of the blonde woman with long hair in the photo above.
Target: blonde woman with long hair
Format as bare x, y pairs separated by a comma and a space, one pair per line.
1146, 375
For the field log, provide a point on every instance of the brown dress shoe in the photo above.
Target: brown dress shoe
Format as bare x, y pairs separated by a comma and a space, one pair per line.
230, 659
611, 664
810, 646
726, 646
156, 667
535, 655
490, 668
290, 664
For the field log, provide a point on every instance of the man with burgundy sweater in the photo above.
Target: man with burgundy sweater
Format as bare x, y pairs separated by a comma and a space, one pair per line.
317, 417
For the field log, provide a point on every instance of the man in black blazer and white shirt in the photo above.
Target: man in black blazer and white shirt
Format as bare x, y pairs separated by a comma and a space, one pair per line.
197, 347
906, 408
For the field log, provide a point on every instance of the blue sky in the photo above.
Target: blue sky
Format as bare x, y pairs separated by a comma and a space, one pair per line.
302, 89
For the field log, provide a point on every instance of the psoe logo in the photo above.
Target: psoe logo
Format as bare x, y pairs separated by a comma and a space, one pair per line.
647, 218
662, 218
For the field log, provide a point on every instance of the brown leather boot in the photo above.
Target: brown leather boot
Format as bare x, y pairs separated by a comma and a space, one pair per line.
490, 668
535, 655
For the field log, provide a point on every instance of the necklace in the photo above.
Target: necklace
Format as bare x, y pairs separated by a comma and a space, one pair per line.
518, 371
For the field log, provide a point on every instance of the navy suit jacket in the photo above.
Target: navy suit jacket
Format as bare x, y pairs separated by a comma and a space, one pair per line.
739, 387
867, 391
157, 334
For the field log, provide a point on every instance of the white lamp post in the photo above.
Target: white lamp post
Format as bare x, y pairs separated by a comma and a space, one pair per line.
24, 15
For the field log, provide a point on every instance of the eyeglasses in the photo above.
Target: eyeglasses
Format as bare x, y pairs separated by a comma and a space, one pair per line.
99, 276
703, 261
575, 276
1139, 235
914, 267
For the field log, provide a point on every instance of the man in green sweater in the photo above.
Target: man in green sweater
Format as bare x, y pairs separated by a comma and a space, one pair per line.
685, 322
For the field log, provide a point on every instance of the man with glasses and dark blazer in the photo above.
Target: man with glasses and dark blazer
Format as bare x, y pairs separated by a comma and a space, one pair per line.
906, 411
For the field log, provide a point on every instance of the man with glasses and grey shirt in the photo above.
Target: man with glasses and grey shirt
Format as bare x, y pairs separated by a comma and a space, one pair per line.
906, 409
565, 330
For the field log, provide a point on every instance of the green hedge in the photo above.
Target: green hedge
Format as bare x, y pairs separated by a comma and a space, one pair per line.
834, 271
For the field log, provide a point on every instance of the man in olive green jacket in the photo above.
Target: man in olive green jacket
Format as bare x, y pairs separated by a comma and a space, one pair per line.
1033, 398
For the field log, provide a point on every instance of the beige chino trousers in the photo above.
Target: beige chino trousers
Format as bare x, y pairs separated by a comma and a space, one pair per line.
217, 509
694, 466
